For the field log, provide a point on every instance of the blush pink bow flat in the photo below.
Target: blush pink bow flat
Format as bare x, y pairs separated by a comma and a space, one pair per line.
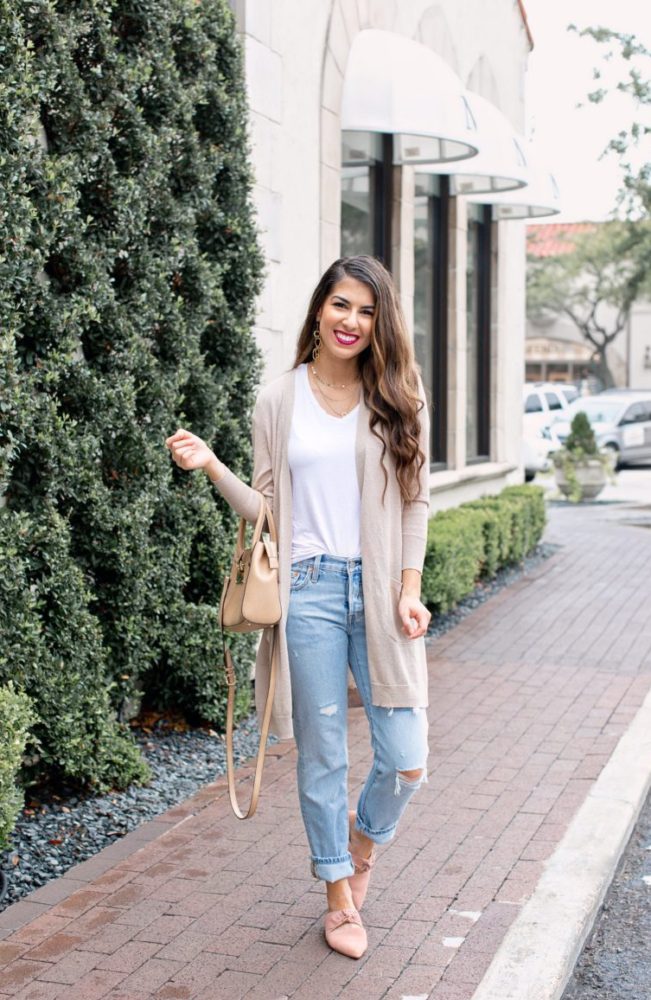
345, 932
363, 866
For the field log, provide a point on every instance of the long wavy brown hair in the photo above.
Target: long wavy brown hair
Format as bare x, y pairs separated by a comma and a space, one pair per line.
388, 368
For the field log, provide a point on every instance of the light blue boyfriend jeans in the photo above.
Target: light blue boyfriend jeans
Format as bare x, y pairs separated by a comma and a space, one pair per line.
325, 633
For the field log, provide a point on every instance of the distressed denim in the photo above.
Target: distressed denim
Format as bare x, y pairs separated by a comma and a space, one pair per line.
326, 633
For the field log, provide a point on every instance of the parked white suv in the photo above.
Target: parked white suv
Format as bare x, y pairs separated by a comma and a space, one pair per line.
621, 422
543, 401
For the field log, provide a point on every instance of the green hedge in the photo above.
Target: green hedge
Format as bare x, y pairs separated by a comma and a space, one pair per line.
476, 539
15, 718
129, 269
52, 649
455, 548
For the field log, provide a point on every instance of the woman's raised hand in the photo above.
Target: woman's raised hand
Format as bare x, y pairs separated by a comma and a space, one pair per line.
189, 451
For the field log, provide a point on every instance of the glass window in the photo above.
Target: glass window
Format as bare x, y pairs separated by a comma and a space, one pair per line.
478, 310
366, 194
553, 401
430, 304
533, 404
598, 411
635, 414
570, 392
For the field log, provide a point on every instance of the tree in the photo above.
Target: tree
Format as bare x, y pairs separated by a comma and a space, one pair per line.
632, 142
594, 283
597, 280
635, 195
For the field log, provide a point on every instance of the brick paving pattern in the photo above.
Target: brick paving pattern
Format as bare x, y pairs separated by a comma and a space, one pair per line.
529, 696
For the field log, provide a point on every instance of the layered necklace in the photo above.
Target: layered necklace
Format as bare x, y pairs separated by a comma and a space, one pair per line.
335, 385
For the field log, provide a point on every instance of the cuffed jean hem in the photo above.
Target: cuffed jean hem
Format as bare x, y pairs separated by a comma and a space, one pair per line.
383, 837
333, 869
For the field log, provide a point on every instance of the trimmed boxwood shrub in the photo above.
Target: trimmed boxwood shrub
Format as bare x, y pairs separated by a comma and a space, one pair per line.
129, 270
455, 550
535, 497
15, 718
496, 527
476, 539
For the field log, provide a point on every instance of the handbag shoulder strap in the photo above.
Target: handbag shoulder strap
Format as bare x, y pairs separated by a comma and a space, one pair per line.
264, 515
264, 728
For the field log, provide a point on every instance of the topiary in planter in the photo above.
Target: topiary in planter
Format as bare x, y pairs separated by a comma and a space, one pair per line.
581, 467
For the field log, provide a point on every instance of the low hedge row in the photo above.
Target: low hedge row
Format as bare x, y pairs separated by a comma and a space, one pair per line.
476, 539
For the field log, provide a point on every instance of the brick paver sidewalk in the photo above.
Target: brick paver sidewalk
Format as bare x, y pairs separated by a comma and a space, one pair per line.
529, 696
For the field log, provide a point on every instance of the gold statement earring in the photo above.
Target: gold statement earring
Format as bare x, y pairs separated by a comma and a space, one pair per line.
316, 351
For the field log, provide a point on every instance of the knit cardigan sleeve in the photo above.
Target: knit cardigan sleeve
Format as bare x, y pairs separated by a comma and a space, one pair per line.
416, 513
242, 498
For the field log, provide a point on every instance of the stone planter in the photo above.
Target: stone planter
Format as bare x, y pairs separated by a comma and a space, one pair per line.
591, 475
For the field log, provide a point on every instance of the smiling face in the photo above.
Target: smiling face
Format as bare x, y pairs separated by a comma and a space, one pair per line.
346, 320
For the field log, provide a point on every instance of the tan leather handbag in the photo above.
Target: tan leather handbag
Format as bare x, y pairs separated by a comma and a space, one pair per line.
251, 600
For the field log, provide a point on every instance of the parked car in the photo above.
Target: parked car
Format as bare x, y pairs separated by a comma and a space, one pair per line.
543, 401
537, 449
621, 422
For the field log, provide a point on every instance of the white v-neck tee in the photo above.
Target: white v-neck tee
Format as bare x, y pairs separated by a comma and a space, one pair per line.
325, 490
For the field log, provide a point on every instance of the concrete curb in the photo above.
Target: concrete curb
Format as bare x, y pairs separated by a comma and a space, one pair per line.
540, 950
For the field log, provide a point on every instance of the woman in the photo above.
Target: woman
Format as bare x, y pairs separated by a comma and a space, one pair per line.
340, 444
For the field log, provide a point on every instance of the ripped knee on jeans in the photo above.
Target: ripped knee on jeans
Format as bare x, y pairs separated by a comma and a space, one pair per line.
411, 779
412, 775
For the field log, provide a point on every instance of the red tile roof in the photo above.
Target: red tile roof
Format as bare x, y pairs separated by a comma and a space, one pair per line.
555, 238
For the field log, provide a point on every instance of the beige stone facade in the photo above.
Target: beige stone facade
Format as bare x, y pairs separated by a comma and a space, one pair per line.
296, 54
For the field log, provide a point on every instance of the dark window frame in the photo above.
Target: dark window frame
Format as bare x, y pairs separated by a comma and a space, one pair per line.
439, 423
382, 173
438, 216
484, 324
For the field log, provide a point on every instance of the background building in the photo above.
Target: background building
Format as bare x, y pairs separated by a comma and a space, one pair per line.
555, 350
321, 193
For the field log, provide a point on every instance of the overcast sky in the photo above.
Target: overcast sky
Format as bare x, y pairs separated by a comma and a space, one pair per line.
559, 77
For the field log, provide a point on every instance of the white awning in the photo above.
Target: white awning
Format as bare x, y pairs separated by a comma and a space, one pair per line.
397, 86
500, 164
541, 196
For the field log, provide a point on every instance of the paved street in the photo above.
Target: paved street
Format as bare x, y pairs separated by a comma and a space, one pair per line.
529, 696
616, 962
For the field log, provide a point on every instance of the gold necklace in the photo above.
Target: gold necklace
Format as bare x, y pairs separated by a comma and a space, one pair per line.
338, 413
333, 385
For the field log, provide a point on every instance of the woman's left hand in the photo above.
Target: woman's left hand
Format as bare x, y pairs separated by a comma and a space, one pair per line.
414, 616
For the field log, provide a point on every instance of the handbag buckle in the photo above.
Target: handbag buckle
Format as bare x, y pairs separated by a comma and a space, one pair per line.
229, 669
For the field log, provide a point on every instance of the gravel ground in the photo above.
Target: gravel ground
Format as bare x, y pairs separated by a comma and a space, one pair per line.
616, 961
56, 831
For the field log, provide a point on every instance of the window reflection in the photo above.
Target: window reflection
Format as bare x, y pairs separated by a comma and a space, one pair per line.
366, 194
357, 210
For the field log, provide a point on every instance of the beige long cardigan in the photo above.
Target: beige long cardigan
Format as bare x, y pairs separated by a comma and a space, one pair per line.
393, 538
